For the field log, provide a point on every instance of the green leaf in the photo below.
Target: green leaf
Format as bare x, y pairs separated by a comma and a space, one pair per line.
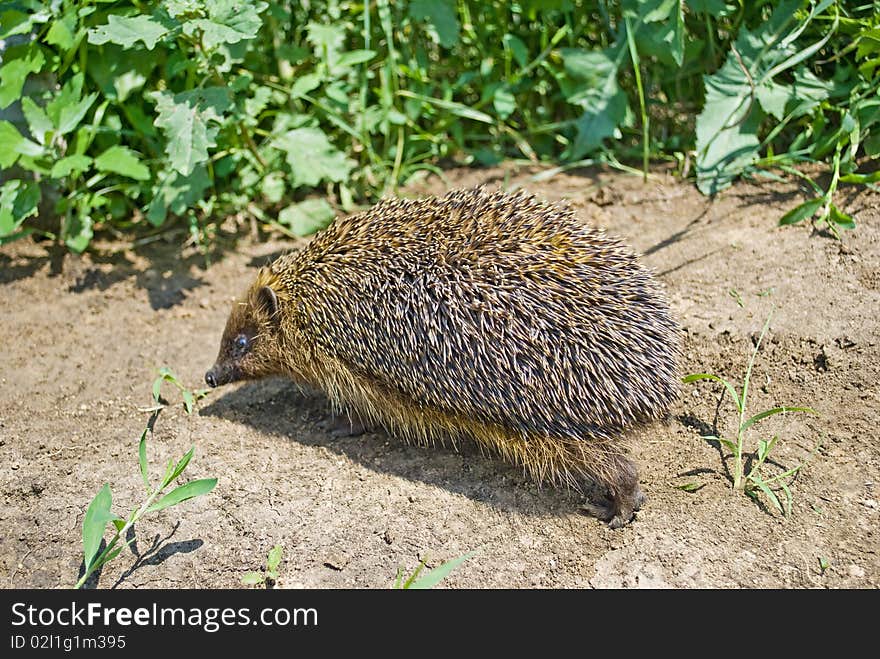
187, 400
504, 102
38, 121
660, 31
10, 138
304, 84
709, 376
715, 8
274, 558
252, 579
78, 232
441, 18
272, 187
124, 161
184, 119
19, 200
75, 164
690, 487
13, 21
802, 212
68, 107
435, 576
228, 22
841, 219
458, 109
808, 91
327, 41
14, 73
61, 31
727, 128
307, 217
724, 442
127, 31
179, 494
181, 464
312, 158
776, 410
118, 72
773, 98
590, 82
175, 193
873, 177
766, 490
353, 57
96, 518
142, 458
157, 388
517, 48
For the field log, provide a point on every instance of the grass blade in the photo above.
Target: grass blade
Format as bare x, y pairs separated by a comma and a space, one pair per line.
181, 465
435, 576
184, 492
709, 376
142, 457
770, 494
457, 109
776, 410
95, 520
408, 583
802, 212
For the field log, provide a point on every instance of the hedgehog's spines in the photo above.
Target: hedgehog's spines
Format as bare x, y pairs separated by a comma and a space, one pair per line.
486, 315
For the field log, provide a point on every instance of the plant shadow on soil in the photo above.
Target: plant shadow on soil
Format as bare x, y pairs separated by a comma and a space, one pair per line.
273, 406
161, 267
158, 552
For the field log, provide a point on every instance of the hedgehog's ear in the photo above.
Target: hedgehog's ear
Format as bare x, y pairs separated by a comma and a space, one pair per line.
268, 301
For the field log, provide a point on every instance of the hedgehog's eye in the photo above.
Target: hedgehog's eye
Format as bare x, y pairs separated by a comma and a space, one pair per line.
241, 342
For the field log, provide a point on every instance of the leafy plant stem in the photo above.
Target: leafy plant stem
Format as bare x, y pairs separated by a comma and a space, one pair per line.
738, 482
634, 56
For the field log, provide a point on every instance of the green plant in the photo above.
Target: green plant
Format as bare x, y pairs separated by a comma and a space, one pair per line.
270, 576
150, 117
99, 514
753, 482
190, 396
430, 578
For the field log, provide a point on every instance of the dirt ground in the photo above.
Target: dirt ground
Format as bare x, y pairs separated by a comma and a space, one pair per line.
85, 337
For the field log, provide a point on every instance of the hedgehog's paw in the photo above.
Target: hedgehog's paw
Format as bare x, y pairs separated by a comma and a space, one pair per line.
616, 513
619, 505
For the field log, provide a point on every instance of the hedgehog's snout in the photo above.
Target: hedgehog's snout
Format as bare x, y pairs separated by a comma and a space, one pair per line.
211, 378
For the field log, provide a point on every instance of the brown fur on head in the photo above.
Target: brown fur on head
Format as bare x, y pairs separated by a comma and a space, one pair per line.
251, 341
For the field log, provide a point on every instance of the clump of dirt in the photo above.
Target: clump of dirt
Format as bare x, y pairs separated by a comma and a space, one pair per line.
83, 346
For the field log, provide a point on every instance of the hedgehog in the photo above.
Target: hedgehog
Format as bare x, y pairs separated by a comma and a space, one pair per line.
492, 316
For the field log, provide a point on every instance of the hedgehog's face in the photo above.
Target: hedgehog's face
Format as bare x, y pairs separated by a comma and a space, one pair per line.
249, 347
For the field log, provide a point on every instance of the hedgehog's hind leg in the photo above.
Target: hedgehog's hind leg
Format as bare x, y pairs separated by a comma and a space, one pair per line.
619, 477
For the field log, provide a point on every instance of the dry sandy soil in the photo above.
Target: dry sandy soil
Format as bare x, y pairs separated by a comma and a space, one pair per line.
84, 338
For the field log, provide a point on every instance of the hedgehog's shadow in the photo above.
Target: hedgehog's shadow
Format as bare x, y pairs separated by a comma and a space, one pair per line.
277, 407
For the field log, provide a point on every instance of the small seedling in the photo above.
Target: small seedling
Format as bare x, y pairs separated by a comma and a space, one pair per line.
690, 487
753, 482
270, 576
190, 396
98, 515
823, 564
432, 577
736, 296
821, 208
